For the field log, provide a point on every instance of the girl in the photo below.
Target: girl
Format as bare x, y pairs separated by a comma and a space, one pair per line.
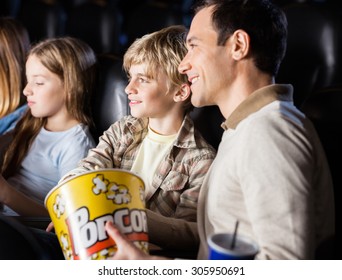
54, 134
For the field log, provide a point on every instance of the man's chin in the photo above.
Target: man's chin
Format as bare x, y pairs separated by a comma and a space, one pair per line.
197, 103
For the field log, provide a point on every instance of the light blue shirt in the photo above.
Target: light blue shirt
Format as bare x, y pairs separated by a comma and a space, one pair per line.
7, 123
51, 155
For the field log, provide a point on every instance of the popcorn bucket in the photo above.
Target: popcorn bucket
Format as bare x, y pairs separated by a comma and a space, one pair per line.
80, 207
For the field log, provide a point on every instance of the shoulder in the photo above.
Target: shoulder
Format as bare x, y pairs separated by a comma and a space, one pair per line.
192, 140
79, 135
8, 122
129, 124
278, 127
199, 149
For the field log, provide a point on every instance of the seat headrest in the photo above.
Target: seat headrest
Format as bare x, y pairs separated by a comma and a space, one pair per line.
110, 100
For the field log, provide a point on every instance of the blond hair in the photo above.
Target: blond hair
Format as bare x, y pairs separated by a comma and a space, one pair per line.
162, 50
14, 44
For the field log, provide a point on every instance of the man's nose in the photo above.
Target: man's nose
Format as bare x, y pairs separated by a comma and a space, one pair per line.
184, 66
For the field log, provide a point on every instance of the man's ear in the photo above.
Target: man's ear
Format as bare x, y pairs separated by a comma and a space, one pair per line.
240, 44
182, 93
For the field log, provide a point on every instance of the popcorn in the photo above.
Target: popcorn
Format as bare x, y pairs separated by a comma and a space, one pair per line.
59, 206
141, 245
64, 238
80, 208
100, 184
103, 254
118, 193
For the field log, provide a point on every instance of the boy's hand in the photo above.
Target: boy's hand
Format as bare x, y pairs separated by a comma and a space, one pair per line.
50, 227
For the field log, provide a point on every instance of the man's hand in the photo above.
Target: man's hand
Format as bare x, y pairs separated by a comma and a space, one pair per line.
126, 249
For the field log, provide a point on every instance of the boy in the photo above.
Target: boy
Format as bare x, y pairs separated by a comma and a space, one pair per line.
158, 140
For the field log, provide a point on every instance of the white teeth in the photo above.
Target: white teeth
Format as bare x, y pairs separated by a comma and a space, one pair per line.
194, 80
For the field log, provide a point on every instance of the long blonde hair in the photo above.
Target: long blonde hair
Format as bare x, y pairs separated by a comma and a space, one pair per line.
14, 44
74, 62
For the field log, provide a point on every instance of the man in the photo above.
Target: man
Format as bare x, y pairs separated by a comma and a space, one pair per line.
270, 172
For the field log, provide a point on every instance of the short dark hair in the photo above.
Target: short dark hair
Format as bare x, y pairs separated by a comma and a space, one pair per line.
265, 23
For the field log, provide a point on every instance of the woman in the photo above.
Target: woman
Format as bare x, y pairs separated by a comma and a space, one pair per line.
14, 44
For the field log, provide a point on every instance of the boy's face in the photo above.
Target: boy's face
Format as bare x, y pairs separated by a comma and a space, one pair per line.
148, 97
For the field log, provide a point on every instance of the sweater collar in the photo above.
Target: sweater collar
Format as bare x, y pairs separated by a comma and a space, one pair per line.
257, 100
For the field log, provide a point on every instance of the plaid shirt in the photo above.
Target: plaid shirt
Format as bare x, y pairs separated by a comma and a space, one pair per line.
179, 176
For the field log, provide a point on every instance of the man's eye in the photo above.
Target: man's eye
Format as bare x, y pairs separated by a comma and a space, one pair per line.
191, 46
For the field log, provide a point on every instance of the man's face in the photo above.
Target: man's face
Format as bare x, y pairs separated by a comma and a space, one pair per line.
206, 63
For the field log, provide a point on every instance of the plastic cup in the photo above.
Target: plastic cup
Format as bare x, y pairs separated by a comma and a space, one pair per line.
80, 207
220, 247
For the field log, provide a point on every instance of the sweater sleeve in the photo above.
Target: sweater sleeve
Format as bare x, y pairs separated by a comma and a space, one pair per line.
171, 233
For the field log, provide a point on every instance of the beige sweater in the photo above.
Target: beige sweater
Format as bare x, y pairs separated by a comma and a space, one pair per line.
271, 174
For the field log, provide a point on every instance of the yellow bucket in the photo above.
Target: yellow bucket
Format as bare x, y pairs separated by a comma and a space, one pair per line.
80, 207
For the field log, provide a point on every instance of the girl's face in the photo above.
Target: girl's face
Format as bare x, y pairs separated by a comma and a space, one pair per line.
44, 90
148, 97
